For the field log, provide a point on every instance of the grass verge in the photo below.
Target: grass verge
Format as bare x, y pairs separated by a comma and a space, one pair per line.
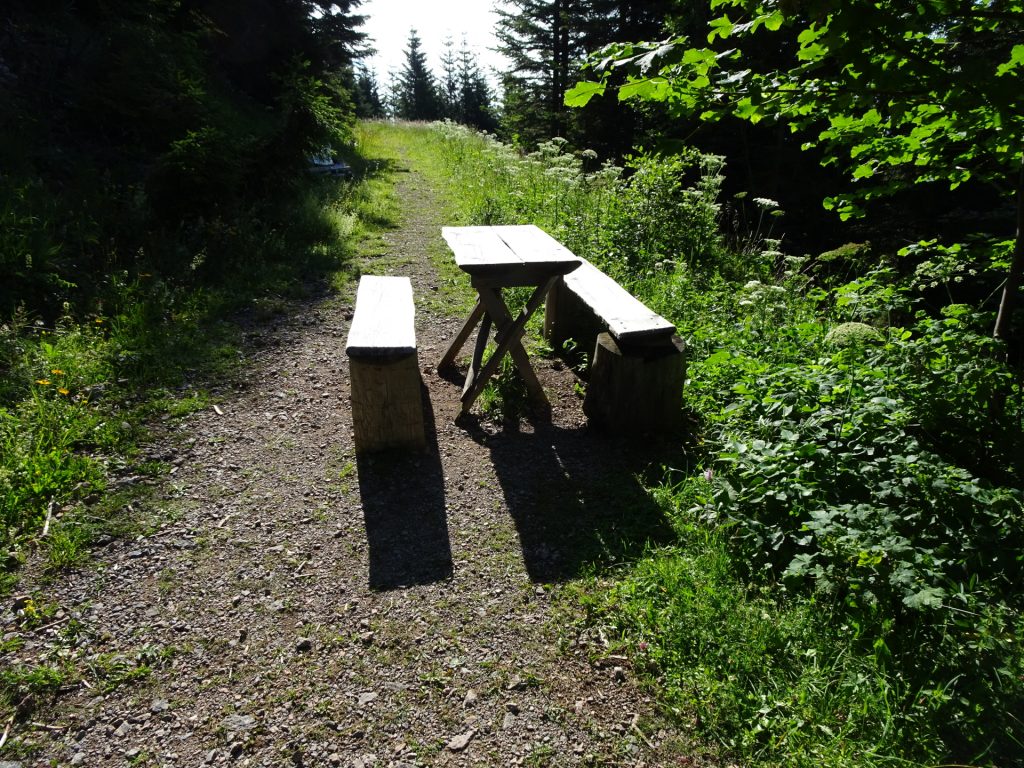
77, 395
844, 582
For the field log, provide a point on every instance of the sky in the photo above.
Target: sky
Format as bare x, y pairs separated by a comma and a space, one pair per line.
388, 22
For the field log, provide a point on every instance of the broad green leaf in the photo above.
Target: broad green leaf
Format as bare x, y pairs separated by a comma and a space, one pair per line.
703, 56
746, 109
1016, 59
720, 27
928, 597
774, 22
648, 60
864, 170
811, 52
648, 88
583, 92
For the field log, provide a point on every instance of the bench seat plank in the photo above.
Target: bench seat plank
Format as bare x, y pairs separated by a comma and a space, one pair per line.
534, 244
627, 317
384, 321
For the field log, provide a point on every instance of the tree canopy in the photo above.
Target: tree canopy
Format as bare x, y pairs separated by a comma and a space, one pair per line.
415, 93
897, 93
153, 126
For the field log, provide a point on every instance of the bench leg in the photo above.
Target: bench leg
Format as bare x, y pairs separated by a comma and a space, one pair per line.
460, 338
387, 403
478, 354
567, 317
508, 338
636, 391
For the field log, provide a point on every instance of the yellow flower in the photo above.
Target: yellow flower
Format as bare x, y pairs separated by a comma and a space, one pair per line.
56, 371
99, 319
64, 390
43, 382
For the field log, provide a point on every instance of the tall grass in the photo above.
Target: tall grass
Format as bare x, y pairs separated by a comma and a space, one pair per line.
846, 588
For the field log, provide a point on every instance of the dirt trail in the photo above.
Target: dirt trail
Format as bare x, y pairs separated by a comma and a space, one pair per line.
302, 607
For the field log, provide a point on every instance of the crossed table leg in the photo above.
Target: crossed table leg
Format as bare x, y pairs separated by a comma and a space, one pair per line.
490, 308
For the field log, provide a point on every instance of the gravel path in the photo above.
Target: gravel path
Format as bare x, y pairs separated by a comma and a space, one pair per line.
301, 607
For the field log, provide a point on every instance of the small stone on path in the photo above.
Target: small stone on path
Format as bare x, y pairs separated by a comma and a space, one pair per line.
238, 723
460, 742
366, 698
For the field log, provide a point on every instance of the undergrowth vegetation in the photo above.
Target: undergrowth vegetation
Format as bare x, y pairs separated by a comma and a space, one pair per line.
74, 394
846, 584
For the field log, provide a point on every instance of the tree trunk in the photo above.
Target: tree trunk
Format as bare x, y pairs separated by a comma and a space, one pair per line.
1013, 278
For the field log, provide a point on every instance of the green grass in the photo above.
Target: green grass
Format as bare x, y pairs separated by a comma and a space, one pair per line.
76, 397
843, 582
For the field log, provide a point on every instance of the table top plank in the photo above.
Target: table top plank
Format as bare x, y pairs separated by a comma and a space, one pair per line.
384, 320
475, 247
534, 245
508, 251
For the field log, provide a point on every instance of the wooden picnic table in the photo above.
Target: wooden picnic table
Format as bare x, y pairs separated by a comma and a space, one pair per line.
496, 258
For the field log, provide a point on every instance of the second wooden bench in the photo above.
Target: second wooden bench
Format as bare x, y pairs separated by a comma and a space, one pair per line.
637, 364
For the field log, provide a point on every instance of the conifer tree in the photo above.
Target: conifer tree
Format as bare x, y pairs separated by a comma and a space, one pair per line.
367, 93
451, 107
474, 92
541, 39
415, 94
546, 41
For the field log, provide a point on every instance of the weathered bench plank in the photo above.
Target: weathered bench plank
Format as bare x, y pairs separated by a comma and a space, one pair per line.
627, 318
386, 389
384, 321
637, 365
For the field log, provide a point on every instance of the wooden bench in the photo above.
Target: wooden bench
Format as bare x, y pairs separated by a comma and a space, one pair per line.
386, 390
637, 366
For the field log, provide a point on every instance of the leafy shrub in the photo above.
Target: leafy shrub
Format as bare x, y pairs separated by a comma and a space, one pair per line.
667, 213
881, 481
664, 213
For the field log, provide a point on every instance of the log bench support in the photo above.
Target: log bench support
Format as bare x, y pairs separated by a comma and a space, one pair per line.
636, 390
386, 389
637, 364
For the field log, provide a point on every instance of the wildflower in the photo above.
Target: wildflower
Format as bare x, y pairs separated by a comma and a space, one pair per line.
708, 474
64, 390
56, 371
99, 319
43, 382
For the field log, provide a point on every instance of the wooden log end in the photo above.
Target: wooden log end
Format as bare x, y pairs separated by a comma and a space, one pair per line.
636, 390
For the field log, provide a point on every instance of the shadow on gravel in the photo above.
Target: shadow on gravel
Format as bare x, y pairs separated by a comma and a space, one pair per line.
575, 499
404, 508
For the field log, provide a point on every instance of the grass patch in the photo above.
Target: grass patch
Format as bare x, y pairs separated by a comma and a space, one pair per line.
75, 397
842, 581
